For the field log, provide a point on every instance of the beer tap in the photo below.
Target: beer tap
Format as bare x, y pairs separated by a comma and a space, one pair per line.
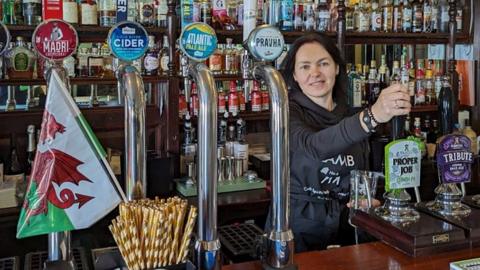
198, 41
277, 246
186, 80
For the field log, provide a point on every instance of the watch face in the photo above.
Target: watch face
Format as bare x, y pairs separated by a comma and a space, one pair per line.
366, 119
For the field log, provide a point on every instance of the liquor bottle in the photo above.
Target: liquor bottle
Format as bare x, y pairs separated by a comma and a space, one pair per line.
298, 15
82, 64
108, 68
427, 16
146, 13
430, 96
70, 11
189, 147
31, 150
32, 11
194, 102
397, 16
107, 12
406, 129
182, 104
206, 12
435, 20
164, 56
364, 17
222, 98
372, 85
232, 9
433, 132
69, 65
286, 15
383, 64
417, 129
382, 79
18, 12
417, 18
233, 98
459, 16
11, 103
229, 58
88, 12
387, 9
396, 77
445, 106
376, 17
242, 100
265, 98
323, 16
420, 92
349, 17
240, 149
132, 11
8, 11
162, 10
20, 61
151, 59
13, 168
332, 27
355, 87
215, 61
256, 98
222, 130
308, 16
95, 62
407, 16
470, 133
444, 17
426, 127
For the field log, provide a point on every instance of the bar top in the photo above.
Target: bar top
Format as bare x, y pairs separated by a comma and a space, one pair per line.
376, 255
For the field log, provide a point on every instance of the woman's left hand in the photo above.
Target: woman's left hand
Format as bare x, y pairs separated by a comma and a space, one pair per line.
393, 101
364, 203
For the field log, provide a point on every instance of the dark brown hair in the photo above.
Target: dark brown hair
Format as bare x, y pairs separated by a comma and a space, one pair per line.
288, 64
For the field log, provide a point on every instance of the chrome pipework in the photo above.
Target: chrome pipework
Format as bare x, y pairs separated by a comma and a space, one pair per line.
207, 246
280, 245
131, 90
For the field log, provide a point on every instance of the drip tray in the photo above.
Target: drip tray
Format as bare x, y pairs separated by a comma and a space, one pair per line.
239, 240
36, 260
11, 263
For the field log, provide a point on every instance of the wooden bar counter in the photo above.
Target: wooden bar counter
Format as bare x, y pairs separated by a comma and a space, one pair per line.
376, 255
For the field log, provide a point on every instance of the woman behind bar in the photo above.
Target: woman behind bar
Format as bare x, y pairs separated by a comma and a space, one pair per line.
326, 140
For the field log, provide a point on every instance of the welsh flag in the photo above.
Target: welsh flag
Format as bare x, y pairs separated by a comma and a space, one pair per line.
71, 185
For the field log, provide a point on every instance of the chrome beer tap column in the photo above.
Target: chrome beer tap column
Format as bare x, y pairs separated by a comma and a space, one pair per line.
131, 93
198, 41
265, 43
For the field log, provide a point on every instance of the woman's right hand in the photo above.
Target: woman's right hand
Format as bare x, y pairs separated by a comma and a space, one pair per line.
393, 101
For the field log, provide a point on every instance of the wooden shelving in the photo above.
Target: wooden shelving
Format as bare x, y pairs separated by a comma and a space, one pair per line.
81, 81
85, 33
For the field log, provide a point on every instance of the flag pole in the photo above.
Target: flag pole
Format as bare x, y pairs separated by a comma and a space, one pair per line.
59, 243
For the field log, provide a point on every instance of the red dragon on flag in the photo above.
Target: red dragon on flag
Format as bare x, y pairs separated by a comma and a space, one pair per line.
55, 166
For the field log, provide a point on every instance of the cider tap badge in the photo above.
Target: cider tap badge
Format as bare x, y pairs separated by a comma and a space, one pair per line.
402, 164
454, 159
128, 40
198, 41
4, 38
55, 39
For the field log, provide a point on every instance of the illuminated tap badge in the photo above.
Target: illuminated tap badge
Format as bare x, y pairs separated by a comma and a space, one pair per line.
266, 43
454, 159
128, 40
198, 41
4, 38
402, 164
55, 39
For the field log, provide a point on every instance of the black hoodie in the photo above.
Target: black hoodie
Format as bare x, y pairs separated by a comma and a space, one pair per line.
324, 147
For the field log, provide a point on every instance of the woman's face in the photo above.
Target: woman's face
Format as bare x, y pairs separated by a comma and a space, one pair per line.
315, 70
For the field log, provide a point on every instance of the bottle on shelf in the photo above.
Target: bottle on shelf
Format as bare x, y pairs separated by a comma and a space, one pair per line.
444, 17
161, 14
373, 84
470, 133
146, 13
164, 56
151, 59
31, 150
241, 97
189, 147
88, 12
240, 149
430, 95
256, 98
308, 16
95, 62
182, 104
221, 97
376, 16
13, 168
20, 61
397, 16
233, 98
298, 15
32, 11
8, 12
194, 102
70, 11
387, 18
427, 16
286, 15
265, 98
323, 16
222, 130
407, 16
107, 12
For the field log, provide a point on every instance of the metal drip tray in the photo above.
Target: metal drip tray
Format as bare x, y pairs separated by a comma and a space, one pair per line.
36, 260
449, 208
239, 239
407, 215
11, 263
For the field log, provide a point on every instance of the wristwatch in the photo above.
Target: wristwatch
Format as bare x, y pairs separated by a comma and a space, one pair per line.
368, 120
